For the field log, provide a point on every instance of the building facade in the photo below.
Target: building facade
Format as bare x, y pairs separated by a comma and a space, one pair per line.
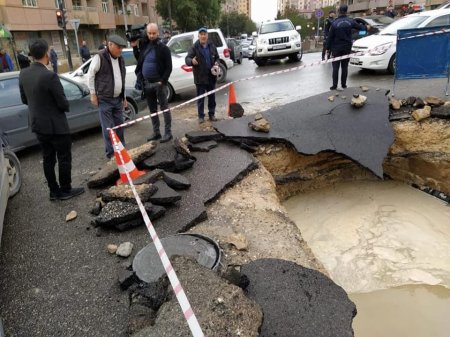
31, 19
240, 6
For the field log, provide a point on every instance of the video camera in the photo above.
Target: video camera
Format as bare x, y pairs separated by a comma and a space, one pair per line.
135, 32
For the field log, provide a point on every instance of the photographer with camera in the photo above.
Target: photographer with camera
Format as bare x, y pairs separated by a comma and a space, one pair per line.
153, 70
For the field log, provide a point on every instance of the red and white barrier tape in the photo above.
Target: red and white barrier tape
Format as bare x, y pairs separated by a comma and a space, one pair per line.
189, 315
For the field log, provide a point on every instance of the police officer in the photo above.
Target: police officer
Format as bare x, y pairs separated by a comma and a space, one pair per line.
328, 22
339, 41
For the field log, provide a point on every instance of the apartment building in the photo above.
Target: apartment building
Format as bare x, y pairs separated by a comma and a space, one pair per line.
304, 5
30, 19
240, 6
362, 6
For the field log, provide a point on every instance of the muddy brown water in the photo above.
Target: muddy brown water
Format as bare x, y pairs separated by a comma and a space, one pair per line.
388, 245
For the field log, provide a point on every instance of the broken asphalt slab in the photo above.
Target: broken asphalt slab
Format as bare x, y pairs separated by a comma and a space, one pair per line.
315, 124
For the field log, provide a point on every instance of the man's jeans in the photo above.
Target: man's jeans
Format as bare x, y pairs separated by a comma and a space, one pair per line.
111, 114
156, 92
201, 89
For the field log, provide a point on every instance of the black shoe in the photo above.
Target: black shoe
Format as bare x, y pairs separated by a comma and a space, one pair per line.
64, 195
213, 119
334, 87
201, 120
166, 138
344, 87
156, 136
55, 195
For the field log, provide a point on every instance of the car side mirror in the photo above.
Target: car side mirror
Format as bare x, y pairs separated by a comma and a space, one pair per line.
254, 34
79, 73
298, 27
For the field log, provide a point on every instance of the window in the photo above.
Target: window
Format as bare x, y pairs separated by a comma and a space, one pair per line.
129, 58
105, 7
71, 90
180, 45
29, 3
215, 39
10, 93
443, 20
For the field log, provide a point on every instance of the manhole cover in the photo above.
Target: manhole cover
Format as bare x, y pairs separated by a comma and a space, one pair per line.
205, 251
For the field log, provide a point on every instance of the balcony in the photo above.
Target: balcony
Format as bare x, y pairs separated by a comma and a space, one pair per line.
93, 16
131, 19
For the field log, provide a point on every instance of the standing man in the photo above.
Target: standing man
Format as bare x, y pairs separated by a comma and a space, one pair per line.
42, 91
410, 9
6, 63
153, 69
102, 46
329, 20
84, 52
54, 59
24, 61
340, 43
203, 57
166, 37
106, 82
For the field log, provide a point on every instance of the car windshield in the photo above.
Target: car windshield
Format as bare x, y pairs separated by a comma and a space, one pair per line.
181, 44
276, 27
405, 23
380, 21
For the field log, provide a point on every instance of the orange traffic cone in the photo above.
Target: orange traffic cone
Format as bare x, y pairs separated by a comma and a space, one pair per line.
235, 110
125, 164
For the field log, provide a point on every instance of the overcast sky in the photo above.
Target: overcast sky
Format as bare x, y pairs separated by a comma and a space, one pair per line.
263, 10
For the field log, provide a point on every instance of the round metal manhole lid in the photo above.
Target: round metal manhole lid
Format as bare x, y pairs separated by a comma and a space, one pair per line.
205, 251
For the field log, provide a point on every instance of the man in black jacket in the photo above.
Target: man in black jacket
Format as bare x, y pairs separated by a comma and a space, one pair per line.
203, 57
153, 70
42, 91
328, 22
339, 41
106, 82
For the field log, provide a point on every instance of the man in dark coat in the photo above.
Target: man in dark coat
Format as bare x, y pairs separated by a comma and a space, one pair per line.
328, 21
84, 52
203, 57
153, 70
24, 61
340, 43
54, 59
42, 91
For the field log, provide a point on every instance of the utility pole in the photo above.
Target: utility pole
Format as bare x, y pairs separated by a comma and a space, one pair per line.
66, 40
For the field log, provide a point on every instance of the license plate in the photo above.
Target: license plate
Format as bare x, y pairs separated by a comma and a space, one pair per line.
279, 47
354, 60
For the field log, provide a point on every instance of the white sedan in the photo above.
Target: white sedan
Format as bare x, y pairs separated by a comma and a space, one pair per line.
383, 45
180, 80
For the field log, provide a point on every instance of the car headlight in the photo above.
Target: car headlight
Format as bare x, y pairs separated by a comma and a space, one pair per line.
381, 49
295, 37
262, 41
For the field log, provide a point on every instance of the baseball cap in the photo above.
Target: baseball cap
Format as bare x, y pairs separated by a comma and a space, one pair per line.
117, 40
203, 30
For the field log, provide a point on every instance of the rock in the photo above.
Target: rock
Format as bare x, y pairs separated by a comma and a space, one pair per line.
71, 216
117, 212
236, 110
410, 100
111, 248
203, 146
258, 116
96, 209
222, 309
331, 98
447, 104
238, 240
124, 193
420, 114
260, 125
165, 195
297, 301
181, 147
176, 181
418, 103
149, 177
202, 136
394, 103
358, 100
364, 89
124, 249
434, 101
126, 278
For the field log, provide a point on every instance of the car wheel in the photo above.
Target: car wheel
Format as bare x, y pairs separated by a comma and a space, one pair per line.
239, 60
129, 113
170, 93
391, 66
294, 57
223, 74
260, 61
14, 172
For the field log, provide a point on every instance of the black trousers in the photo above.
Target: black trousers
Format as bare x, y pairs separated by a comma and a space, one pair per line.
344, 67
155, 93
57, 148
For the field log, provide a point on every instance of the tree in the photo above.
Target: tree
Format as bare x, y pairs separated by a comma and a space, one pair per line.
233, 24
190, 14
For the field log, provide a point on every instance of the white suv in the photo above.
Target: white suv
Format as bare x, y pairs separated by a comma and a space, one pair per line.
180, 44
277, 39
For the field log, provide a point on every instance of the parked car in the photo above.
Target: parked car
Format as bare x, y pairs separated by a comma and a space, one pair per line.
15, 120
235, 50
244, 45
251, 49
376, 22
181, 43
180, 80
388, 37
277, 39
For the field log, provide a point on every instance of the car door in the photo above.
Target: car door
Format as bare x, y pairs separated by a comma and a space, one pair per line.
82, 115
130, 66
15, 121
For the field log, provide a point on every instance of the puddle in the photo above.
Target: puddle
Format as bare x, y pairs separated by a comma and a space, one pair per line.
388, 245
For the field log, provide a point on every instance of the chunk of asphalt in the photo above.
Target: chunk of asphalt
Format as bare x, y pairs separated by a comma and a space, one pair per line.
442, 111
203, 136
176, 181
163, 159
297, 301
125, 193
126, 278
117, 212
203, 146
149, 177
154, 211
127, 225
182, 163
165, 195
